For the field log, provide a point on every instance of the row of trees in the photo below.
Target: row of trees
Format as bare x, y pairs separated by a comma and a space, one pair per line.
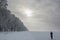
8, 21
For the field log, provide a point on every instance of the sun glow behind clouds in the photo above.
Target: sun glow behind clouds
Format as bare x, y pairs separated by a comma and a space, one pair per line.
28, 12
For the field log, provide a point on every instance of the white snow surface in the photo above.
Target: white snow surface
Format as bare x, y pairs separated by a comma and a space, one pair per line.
28, 36
16, 36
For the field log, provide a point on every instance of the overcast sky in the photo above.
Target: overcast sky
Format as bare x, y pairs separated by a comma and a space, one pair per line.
42, 15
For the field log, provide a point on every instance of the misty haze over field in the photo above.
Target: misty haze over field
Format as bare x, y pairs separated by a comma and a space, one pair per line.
19, 16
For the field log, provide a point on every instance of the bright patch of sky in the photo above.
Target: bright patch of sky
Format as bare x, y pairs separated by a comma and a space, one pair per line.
37, 15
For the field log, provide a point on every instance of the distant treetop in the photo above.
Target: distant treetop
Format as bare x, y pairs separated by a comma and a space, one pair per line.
3, 3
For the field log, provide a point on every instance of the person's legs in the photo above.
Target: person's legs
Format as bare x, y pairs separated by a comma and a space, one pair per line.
51, 37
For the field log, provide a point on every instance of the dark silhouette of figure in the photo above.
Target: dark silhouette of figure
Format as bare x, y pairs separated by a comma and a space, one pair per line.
51, 35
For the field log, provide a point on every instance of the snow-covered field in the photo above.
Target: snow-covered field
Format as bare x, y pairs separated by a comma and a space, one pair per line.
28, 36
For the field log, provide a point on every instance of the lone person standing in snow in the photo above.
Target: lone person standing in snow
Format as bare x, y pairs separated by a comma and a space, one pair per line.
51, 35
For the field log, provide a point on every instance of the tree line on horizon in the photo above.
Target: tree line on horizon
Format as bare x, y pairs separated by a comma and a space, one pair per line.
8, 21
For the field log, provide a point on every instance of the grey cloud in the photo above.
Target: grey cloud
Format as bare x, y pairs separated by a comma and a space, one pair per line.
47, 10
